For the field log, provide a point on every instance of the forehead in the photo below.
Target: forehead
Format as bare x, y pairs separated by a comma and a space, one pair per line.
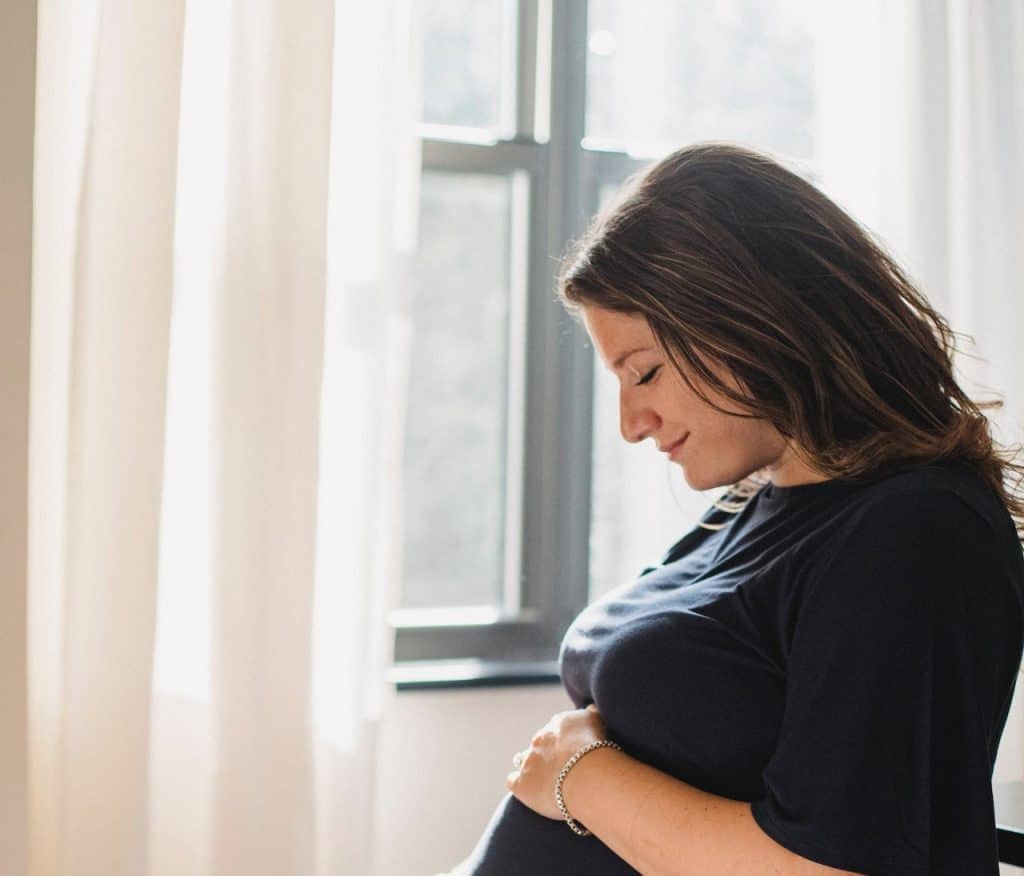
614, 334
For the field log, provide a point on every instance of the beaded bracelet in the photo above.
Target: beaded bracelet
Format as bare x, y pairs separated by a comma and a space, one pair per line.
569, 764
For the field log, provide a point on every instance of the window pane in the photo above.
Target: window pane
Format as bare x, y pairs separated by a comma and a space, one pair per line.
464, 60
661, 73
455, 436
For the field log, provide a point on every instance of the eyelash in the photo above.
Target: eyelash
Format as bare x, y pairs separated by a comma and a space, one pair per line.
648, 376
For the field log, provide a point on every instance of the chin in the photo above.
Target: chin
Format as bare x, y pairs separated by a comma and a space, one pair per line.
695, 482
709, 481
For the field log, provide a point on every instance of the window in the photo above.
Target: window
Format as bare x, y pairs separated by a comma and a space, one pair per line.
521, 502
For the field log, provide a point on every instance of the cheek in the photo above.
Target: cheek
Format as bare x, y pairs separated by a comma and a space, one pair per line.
748, 444
737, 444
681, 403
740, 431
702, 419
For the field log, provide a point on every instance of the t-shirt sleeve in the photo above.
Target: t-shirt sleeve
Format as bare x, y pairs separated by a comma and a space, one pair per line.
882, 759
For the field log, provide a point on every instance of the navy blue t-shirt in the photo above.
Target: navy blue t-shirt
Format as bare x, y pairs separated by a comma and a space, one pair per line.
841, 654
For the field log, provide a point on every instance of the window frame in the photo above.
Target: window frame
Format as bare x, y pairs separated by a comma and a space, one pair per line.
566, 172
552, 431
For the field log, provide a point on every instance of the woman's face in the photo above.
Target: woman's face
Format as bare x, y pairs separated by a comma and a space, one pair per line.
716, 449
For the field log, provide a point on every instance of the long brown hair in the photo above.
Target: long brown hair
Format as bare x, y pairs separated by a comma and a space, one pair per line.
733, 258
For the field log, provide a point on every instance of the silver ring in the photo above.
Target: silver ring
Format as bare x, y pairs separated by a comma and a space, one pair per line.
517, 759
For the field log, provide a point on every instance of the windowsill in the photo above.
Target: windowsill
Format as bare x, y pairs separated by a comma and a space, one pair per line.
446, 674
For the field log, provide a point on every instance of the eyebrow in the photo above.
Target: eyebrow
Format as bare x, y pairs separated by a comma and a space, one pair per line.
617, 364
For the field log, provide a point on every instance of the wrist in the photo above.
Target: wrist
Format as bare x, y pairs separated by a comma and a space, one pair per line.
587, 773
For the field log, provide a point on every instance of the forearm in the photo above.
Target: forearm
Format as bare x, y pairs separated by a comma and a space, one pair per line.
664, 827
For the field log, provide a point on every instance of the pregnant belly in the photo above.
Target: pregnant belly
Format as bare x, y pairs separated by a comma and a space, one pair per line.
519, 841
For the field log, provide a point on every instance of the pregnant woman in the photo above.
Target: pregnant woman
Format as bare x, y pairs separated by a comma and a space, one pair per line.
816, 677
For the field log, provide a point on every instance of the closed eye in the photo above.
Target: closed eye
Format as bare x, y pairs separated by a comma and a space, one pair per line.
648, 376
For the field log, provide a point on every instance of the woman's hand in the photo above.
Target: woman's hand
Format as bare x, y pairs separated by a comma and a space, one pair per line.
533, 783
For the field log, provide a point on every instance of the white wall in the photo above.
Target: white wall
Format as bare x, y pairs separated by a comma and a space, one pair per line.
442, 763
17, 103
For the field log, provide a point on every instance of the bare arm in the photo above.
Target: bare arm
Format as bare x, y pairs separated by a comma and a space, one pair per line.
664, 827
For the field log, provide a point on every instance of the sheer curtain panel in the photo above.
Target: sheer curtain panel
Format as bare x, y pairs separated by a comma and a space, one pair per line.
226, 206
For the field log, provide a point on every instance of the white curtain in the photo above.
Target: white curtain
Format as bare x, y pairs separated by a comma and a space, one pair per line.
226, 202
921, 136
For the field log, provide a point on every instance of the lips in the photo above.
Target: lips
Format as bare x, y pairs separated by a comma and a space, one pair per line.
672, 448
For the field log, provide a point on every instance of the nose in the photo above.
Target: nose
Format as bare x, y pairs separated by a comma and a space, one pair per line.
636, 420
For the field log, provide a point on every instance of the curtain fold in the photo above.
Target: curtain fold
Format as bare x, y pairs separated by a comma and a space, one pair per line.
226, 214
267, 345
94, 619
